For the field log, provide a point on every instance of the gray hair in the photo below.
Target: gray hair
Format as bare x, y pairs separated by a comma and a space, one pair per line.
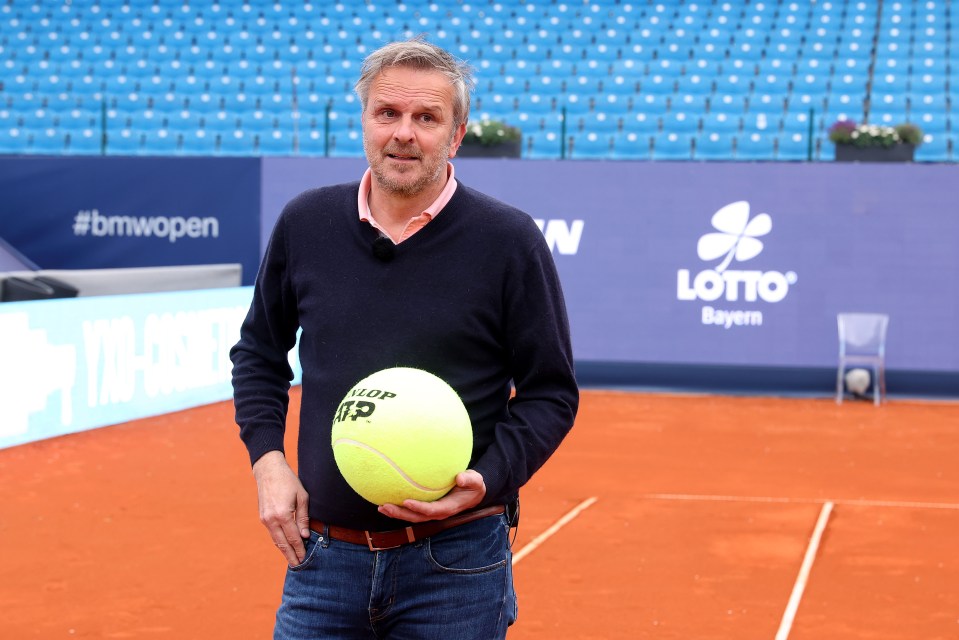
417, 53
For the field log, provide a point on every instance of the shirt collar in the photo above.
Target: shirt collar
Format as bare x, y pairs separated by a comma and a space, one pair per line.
363, 199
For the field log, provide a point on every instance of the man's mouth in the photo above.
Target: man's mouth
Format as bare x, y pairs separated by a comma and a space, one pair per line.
402, 156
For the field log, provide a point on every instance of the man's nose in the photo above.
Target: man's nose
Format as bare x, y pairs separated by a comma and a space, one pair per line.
404, 129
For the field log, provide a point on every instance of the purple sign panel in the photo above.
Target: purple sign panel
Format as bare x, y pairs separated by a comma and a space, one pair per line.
726, 263
112, 212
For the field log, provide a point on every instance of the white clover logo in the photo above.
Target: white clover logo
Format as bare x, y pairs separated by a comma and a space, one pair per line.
737, 237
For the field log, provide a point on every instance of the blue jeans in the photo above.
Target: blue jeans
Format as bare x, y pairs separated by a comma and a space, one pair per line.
457, 585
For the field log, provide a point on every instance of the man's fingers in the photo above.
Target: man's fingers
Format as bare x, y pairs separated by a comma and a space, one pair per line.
468, 492
292, 555
287, 533
289, 541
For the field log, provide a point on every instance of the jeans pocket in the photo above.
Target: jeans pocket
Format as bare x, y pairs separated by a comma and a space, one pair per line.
311, 545
476, 547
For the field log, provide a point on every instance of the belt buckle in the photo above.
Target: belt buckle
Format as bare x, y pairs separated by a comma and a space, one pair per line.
369, 540
369, 543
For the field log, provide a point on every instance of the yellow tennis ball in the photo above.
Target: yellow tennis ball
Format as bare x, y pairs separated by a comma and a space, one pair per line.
401, 433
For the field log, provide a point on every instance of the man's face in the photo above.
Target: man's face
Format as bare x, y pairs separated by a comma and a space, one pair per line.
408, 132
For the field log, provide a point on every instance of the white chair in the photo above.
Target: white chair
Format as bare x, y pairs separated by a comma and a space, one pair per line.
862, 341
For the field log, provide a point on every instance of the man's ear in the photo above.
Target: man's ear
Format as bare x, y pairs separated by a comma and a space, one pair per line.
458, 135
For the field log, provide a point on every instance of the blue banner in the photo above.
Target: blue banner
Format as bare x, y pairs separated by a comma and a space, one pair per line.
76, 364
111, 212
726, 263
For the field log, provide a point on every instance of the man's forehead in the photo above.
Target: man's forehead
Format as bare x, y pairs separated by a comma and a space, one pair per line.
411, 84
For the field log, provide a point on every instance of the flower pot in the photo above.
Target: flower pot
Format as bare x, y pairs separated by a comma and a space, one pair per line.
509, 149
896, 153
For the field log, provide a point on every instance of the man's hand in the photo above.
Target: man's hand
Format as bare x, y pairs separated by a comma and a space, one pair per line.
283, 505
469, 491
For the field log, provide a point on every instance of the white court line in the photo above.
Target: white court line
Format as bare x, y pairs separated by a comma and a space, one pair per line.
787, 622
766, 499
559, 524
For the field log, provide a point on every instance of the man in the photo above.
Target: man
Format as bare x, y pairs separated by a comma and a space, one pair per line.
406, 268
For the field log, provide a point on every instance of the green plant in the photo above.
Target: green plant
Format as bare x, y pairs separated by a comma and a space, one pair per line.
490, 132
872, 135
909, 133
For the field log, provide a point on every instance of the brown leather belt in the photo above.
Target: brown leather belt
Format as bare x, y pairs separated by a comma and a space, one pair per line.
380, 540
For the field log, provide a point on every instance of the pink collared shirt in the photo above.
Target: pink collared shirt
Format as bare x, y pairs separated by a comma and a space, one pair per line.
415, 224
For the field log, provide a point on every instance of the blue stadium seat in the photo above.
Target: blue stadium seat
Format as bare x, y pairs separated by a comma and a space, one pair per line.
652, 105
890, 101
890, 82
936, 148
598, 122
694, 84
761, 121
347, 145
931, 121
312, 142
849, 82
814, 84
125, 142
793, 145
689, 102
83, 142
772, 81
238, 143
754, 145
672, 146
931, 102
642, 123
199, 142
589, 145
718, 122
730, 104
543, 145
799, 122
657, 85
803, 101
537, 104
736, 85
888, 117
714, 146
931, 64
929, 83
631, 145
164, 142
548, 85
851, 106
621, 85
680, 122
274, 142
614, 102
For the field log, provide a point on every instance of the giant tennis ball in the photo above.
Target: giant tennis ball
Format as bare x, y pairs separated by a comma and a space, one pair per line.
401, 433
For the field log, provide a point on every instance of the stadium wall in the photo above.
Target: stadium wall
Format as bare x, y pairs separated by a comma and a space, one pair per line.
713, 276
728, 275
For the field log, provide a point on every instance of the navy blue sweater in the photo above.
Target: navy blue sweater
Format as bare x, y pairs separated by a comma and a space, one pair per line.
473, 297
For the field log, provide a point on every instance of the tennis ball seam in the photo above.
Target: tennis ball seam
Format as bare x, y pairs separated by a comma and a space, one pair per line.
389, 461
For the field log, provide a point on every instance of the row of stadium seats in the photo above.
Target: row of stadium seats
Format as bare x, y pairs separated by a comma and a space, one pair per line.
631, 145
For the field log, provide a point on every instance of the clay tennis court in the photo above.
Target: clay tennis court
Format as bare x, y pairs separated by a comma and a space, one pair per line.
662, 516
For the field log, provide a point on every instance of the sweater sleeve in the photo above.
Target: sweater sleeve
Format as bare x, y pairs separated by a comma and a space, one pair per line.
546, 398
261, 368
